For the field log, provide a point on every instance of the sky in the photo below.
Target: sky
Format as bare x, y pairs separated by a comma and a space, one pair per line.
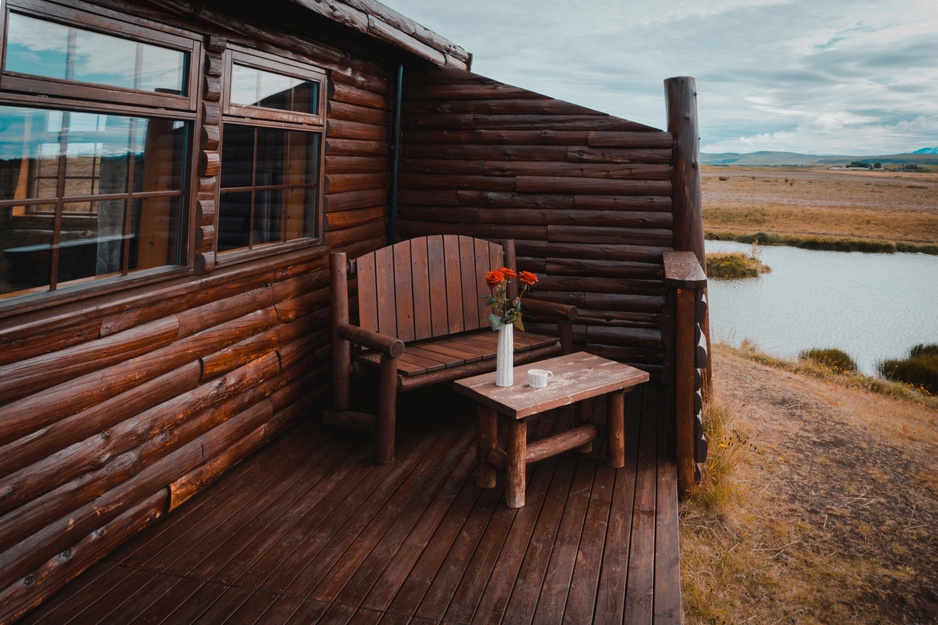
847, 77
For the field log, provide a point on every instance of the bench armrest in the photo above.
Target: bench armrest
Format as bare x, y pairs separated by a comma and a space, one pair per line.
560, 311
682, 270
382, 343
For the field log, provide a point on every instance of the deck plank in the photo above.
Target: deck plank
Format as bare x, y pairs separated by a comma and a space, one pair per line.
310, 530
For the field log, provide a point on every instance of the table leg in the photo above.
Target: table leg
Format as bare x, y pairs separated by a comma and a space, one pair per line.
615, 428
485, 443
514, 472
584, 414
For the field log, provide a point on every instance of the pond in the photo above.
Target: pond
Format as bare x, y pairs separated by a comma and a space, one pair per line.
872, 306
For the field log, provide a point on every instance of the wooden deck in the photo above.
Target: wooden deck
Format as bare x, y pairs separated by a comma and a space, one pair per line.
310, 530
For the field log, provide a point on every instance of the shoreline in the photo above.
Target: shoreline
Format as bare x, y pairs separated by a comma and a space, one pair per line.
823, 243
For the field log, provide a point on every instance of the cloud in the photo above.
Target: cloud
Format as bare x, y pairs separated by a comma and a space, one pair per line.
797, 75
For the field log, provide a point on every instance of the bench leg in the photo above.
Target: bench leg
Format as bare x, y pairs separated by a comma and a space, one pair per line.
517, 455
615, 428
485, 443
387, 410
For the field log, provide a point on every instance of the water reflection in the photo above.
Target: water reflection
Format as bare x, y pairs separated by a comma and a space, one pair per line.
872, 306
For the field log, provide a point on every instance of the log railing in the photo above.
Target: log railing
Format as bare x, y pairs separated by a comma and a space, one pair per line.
687, 360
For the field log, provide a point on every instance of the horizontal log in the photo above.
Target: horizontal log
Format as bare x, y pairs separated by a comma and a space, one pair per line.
387, 345
559, 443
354, 112
530, 104
488, 90
41, 372
351, 420
342, 183
335, 202
45, 580
610, 171
356, 164
498, 137
342, 129
63, 531
648, 203
620, 252
20, 348
607, 220
650, 237
350, 218
348, 236
631, 337
492, 152
97, 418
348, 74
602, 268
457, 182
594, 284
343, 92
413, 197
439, 214
137, 440
356, 147
494, 232
598, 186
660, 156
489, 199
648, 140
442, 166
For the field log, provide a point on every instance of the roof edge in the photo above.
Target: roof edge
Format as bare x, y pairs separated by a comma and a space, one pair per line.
376, 20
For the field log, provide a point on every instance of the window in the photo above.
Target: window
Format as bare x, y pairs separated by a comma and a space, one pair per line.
90, 191
270, 153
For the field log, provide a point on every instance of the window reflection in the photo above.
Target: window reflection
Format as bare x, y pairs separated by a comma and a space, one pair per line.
255, 87
85, 195
42, 48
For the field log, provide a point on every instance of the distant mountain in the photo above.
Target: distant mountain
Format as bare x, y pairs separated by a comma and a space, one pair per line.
924, 156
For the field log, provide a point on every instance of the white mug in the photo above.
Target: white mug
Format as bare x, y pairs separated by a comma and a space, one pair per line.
537, 378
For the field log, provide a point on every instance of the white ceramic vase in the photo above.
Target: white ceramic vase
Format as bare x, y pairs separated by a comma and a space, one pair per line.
504, 365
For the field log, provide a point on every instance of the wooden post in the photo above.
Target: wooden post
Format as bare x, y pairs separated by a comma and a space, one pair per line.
615, 428
514, 472
387, 410
488, 436
341, 349
684, 389
686, 193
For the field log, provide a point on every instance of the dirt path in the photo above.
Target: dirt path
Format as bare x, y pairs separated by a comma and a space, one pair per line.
833, 512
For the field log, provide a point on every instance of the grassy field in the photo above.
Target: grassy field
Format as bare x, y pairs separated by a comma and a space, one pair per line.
874, 205
819, 503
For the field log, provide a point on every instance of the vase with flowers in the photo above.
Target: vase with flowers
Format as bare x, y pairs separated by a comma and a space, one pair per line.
505, 317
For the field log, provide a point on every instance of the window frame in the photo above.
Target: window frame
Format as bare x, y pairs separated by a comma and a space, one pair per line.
59, 87
58, 94
257, 117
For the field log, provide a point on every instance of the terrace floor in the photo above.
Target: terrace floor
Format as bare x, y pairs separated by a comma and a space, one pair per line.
310, 530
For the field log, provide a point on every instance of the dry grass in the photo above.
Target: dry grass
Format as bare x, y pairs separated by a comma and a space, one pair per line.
874, 205
819, 505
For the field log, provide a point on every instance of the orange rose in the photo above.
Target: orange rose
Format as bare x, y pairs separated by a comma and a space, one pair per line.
508, 273
527, 277
494, 278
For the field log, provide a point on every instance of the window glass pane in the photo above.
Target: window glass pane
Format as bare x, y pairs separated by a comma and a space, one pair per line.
26, 257
82, 165
234, 218
269, 180
43, 48
255, 87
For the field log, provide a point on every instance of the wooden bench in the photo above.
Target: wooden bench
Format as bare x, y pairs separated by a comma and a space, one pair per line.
422, 319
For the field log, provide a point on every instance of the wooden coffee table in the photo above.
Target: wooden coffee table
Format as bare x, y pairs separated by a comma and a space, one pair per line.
576, 377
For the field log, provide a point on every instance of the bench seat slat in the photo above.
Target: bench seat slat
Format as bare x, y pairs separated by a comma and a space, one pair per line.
450, 352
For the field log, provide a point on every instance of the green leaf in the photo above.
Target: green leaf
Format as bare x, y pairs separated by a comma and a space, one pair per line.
497, 323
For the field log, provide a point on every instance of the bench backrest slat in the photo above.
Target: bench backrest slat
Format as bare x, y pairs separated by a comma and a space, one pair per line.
426, 287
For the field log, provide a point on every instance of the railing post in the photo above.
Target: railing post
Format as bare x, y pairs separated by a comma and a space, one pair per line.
688, 358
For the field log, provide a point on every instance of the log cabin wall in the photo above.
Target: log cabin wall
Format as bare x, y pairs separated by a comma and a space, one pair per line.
586, 196
115, 407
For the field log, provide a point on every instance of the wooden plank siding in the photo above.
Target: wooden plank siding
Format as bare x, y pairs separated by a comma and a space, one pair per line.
586, 196
307, 530
116, 408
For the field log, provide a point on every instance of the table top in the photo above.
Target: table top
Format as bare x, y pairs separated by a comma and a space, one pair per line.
576, 376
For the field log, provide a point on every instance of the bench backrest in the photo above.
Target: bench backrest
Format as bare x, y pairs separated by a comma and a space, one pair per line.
426, 287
